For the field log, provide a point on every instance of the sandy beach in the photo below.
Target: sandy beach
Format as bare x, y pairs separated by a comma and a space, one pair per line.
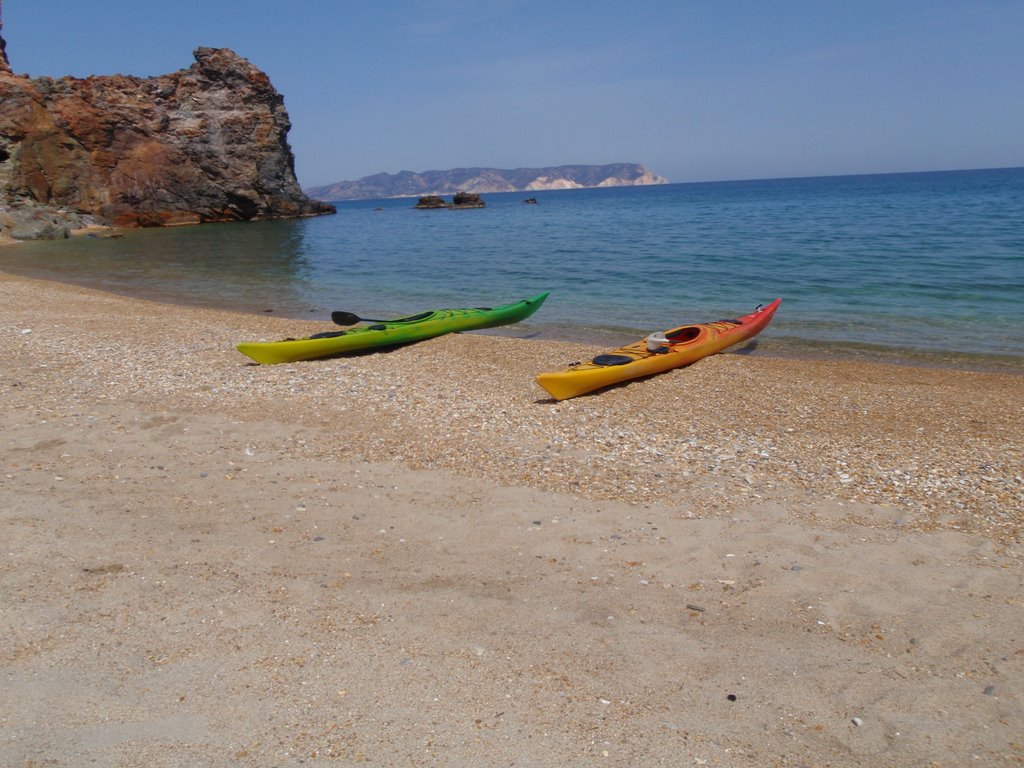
416, 558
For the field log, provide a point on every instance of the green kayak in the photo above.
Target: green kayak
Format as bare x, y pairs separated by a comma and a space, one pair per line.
424, 325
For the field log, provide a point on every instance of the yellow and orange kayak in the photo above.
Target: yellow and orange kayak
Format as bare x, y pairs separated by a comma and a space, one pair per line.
656, 354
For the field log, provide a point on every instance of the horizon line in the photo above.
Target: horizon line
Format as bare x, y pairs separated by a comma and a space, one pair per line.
693, 181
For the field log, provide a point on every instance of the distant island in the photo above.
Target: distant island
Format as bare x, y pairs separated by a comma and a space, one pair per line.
480, 180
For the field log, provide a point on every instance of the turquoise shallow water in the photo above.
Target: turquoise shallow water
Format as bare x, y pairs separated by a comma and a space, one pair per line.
901, 265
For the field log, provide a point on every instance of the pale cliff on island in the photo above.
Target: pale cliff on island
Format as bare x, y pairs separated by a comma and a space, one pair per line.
482, 180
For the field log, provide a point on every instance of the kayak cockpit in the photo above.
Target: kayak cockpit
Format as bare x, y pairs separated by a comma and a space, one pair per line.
413, 318
683, 335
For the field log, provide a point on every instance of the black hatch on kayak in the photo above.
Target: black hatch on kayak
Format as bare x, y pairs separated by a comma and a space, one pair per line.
612, 360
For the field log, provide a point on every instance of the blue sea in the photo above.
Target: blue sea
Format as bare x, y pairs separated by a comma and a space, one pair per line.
921, 267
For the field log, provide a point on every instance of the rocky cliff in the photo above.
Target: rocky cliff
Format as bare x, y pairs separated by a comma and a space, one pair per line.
5, 66
480, 180
207, 143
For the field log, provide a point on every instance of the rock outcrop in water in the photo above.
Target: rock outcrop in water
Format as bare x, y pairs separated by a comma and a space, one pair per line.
207, 143
460, 201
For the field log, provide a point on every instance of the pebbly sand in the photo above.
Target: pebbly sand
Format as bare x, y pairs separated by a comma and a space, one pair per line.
414, 558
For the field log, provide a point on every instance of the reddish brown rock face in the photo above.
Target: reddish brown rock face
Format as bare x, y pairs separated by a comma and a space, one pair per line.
208, 143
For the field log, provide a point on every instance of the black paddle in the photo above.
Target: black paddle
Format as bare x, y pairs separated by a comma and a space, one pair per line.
348, 318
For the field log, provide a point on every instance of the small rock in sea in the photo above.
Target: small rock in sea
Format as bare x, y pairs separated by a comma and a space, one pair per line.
467, 200
431, 201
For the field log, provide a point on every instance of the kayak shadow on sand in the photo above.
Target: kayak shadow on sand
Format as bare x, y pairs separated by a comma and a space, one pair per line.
354, 353
746, 349
388, 348
610, 387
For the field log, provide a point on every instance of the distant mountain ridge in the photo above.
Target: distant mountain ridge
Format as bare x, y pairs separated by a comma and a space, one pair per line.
481, 180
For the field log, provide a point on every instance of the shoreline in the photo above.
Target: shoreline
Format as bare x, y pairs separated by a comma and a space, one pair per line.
415, 557
767, 344
456, 359
513, 362
88, 230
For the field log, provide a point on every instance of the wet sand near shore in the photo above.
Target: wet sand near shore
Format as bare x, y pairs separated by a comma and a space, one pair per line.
415, 557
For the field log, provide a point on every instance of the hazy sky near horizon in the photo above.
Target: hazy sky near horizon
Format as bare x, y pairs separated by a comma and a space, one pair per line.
696, 91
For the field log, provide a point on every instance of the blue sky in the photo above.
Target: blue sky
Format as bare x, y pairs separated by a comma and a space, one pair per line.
696, 91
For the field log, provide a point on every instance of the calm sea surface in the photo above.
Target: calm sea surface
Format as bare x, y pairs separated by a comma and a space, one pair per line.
924, 266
